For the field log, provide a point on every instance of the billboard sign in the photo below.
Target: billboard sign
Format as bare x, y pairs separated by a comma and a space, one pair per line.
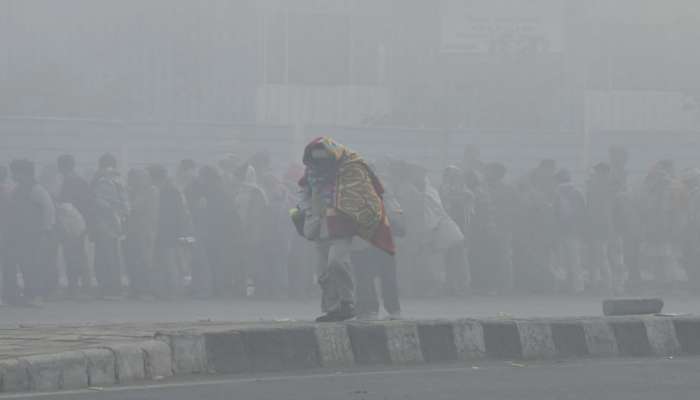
502, 26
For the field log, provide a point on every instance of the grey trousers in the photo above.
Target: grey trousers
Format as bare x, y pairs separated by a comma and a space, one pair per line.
334, 268
369, 264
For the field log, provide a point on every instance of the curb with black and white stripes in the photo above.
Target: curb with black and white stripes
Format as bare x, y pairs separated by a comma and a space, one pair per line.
293, 347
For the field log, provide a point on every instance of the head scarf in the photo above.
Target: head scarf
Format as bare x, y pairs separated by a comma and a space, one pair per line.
357, 191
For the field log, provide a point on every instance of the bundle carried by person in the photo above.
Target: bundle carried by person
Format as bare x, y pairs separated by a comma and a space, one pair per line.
350, 191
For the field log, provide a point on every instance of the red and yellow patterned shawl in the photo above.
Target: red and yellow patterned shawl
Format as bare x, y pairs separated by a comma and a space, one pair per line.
358, 193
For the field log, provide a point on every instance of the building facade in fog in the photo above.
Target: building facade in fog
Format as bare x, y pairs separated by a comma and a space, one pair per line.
128, 60
555, 65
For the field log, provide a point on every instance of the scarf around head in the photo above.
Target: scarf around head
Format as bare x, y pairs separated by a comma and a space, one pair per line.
356, 191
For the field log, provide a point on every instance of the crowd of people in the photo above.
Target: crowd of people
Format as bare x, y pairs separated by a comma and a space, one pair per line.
209, 231
223, 231
541, 233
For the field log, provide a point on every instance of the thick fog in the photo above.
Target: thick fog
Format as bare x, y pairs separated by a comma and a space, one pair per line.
589, 74
483, 120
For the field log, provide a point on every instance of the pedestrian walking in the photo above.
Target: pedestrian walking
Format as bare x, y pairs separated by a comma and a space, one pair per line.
342, 198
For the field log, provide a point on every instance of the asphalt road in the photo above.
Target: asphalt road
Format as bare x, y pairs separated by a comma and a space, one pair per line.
640, 379
101, 312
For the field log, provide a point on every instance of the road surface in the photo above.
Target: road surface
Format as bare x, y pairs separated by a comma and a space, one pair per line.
639, 379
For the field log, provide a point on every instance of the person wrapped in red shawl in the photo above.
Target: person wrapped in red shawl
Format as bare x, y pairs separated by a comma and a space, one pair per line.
341, 198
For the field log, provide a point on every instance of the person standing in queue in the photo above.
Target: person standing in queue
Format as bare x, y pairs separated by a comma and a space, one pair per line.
111, 210
29, 242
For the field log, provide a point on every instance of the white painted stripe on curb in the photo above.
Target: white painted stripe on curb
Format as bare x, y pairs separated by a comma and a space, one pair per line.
536, 340
334, 345
404, 343
469, 340
184, 354
662, 337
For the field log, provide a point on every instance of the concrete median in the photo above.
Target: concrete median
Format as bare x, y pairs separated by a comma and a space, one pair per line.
291, 347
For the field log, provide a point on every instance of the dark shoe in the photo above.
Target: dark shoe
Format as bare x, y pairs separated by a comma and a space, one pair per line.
325, 318
344, 313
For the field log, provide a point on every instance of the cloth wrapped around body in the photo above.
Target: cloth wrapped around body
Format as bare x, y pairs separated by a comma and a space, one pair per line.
351, 193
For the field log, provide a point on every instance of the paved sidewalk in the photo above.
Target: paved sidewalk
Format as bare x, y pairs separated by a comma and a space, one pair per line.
101, 312
49, 339
66, 326
32, 340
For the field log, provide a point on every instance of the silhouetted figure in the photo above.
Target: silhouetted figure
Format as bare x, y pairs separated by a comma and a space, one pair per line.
30, 247
173, 229
414, 248
535, 230
271, 279
252, 206
74, 195
6, 189
141, 229
111, 211
605, 265
660, 210
502, 202
217, 226
691, 228
571, 215
458, 201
